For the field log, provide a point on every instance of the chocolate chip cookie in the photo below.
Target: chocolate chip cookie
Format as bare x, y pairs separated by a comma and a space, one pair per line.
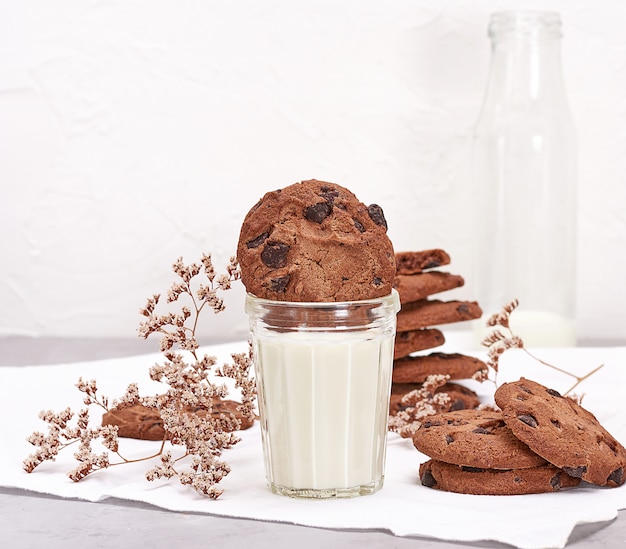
144, 423
419, 286
415, 369
491, 482
427, 312
417, 340
410, 263
562, 432
315, 241
474, 438
461, 397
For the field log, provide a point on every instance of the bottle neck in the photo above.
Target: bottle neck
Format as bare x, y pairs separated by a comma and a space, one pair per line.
526, 60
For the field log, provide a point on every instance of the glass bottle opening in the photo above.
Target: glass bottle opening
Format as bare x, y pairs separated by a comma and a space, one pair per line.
525, 23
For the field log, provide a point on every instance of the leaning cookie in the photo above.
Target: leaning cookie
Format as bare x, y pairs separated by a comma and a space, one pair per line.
562, 432
491, 482
315, 241
415, 369
474, 438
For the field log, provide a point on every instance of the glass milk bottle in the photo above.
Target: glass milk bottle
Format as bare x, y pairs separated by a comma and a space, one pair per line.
524, 182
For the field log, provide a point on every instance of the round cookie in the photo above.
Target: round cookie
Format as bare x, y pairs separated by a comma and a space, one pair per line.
474, 438
489, 482
144, 423
315, 241
562, 432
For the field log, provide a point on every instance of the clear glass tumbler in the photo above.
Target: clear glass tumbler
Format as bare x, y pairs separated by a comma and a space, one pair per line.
323, 379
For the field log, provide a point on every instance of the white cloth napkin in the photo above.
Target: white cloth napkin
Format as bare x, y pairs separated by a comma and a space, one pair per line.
402, 507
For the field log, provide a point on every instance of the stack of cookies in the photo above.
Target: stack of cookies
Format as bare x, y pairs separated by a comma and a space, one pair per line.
416, 281
538, 442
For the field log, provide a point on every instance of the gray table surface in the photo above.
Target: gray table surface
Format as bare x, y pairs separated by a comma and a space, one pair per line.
31, 520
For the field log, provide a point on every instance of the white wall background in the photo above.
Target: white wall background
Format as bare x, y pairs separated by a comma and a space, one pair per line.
133, 132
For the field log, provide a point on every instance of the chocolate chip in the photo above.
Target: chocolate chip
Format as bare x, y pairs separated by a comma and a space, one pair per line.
481, 431
256, 242
428, 479
377, 215
274, 255
329, 194
528, 420
463, 309
616, 477
457, 404
318, 212
555, 482
279, 285
576, 472
556, 423
432, 264
377, 281
359, 225
449, 439
554, 393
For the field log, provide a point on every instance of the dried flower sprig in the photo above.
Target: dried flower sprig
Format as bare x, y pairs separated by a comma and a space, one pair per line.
419, 404
502, 338
62, 435
187, 376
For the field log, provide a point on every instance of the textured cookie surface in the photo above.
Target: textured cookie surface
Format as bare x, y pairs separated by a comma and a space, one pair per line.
315, 241
468, 480
562, 432
474, 438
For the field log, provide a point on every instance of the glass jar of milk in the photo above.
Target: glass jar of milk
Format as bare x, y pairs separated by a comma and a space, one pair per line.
323, 380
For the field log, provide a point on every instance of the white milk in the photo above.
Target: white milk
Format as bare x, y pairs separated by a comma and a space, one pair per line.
536, 328
324, 401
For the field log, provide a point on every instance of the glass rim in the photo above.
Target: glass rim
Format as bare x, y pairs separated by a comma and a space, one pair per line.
391, 298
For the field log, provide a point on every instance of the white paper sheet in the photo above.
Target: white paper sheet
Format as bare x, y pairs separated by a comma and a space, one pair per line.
402, 507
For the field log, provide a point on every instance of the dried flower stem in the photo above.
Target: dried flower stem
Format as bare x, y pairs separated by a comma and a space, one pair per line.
203, 438
497, 342
419, 404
